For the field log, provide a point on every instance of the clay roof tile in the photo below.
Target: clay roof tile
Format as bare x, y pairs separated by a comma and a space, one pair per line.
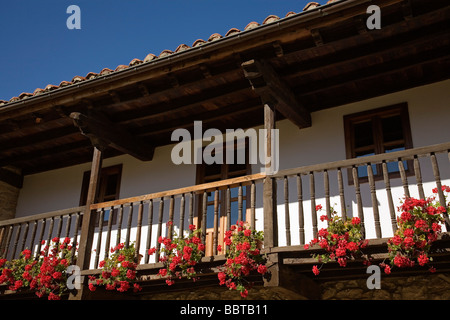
251, 25
150, 57
214, 36
77, 79
198, 42
121, 67
232, 31
271, 18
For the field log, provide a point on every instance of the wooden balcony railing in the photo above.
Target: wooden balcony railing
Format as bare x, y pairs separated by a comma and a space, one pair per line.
365, 184
20, 233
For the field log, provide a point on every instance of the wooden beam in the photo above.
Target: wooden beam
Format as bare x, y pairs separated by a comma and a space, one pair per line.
268, 85
104, 133
88, 224
11, 178
286, 277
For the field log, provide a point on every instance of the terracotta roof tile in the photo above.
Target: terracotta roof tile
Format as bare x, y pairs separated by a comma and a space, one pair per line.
135, 62
24, 95
38, 91
251, 25
105, 71
198, 42
121, 67
91, 75
151, 56
270, 19
311, 5
232, 31
182, 47
214, 36
78, 79
65, 83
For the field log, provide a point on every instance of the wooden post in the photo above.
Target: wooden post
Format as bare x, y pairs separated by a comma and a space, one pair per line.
88, 224
269, 184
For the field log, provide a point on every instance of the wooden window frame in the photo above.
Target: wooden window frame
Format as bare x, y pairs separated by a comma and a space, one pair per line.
105, 172
375, 115
224, 174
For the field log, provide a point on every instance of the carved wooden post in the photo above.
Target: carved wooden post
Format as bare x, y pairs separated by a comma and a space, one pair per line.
270, 186
88, 224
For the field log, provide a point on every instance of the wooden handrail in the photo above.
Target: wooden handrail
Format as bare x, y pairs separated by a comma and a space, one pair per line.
378, 158
46, 215
205, 187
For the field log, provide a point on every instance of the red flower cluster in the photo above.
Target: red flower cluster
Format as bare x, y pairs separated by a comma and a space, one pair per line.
243, 257
118, 270
45, 275
342, 240
180, 255
419, 225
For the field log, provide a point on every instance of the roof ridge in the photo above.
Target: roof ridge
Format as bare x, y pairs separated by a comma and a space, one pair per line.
150, 57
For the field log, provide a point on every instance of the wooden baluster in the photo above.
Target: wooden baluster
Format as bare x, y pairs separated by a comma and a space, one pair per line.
24, 237
401, 168
33, 237
99, 236
50, 232
387, 184
418, 174
313, 203
139, 231
216, 221
59, 228
149, 229
191, 211
108, 233
373, 195
68, 223
41, 238
16, 241
171, 214
301, 217
2, 239
286, 211
240, 214
75, 237
204, 209
228, 208
160, 220
437, 178
119, 225
358, 199
130, 220
253, 205
7, 242
326, 184
341, 194
182, 205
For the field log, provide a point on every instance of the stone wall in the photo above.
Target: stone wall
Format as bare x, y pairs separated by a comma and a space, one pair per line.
222, 293
8, 201
420, 287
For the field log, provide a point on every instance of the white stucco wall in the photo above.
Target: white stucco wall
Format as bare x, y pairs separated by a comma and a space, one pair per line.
429, 111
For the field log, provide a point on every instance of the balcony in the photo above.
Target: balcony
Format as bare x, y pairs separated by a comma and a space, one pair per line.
282, 205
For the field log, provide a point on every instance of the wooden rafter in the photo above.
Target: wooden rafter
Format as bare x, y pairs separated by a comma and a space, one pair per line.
268, 85
104, 133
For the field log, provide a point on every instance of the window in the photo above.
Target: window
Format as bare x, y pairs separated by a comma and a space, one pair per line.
378, 131
108, 188
215, 172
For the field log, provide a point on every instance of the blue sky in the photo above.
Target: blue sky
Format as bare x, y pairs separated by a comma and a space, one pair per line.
38, 49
